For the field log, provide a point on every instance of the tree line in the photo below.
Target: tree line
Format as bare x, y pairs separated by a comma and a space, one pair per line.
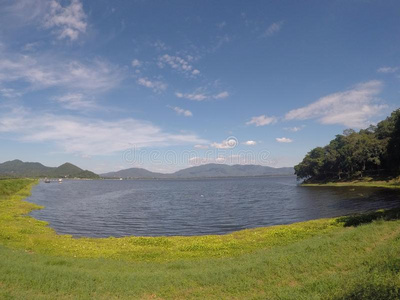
374, 151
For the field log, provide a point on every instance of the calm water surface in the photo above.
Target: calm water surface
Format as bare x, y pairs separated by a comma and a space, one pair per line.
103, 208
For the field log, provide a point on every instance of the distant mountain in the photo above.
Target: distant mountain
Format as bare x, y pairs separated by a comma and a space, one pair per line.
133, 173
18, 168
220, 170
204, 171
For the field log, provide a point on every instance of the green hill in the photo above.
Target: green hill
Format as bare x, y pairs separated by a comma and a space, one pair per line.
18, 168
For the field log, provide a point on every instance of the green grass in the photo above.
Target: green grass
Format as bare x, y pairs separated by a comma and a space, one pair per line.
353, 257
365, 182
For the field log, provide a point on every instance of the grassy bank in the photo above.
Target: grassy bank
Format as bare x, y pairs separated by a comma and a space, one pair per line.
393, 183
354, 257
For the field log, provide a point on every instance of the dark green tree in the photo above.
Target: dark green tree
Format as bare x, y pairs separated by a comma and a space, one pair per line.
393, 149
351, 154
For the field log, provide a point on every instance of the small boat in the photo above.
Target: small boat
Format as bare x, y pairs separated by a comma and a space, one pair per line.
120, 179
60, 180
46, 180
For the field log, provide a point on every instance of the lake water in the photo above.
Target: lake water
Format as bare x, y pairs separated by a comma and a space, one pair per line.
103, 208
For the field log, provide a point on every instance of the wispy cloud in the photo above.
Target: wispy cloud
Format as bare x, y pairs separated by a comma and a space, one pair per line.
262, 120
160, 45
24, 12
181, 111
156, 85
200, 95
221, 95
221, 25
351, 108
76, 102
136, 63
178, 63
50, 71
219, 42
295, 128
193, 96
83, 136
284, 140
273, 29
9, 93
201, 146
68, 21
388, 69
30, 46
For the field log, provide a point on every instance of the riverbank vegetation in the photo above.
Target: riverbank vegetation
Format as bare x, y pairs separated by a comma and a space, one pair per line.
354, 257
372, 152
391, 183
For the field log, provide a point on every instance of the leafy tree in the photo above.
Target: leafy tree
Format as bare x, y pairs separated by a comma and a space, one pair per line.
394, 148
356, 153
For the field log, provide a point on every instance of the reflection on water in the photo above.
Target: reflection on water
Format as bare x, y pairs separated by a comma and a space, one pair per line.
195, 207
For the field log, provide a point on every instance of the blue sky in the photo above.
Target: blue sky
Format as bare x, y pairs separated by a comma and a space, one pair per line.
170, 84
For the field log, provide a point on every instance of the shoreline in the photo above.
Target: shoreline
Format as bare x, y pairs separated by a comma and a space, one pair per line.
319, 259
20, 230
391, 183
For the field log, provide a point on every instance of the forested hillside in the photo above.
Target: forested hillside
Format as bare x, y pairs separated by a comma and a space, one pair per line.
374, 151
17, 168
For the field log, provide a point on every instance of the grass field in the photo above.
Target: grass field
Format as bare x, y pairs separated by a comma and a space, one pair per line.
354, 257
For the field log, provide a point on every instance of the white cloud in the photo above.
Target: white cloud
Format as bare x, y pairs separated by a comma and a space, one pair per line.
193, 96
226, 144
136, 63
273, 28
262, 120
200, 160
10, 93
30, 46
221, 25
284, 140
156, 86
183, 112
219, 42
49, 71
178, 63
196, 160
82, 136
160, 46
221, 95
250, 143
201, 146
76, 102
200, 95
69, 21
351, 108
388, 69
295, 129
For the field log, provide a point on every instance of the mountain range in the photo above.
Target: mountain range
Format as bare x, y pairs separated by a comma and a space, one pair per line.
203, 171
18, 168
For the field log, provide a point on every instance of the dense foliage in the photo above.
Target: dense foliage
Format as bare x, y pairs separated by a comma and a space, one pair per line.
373, 151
